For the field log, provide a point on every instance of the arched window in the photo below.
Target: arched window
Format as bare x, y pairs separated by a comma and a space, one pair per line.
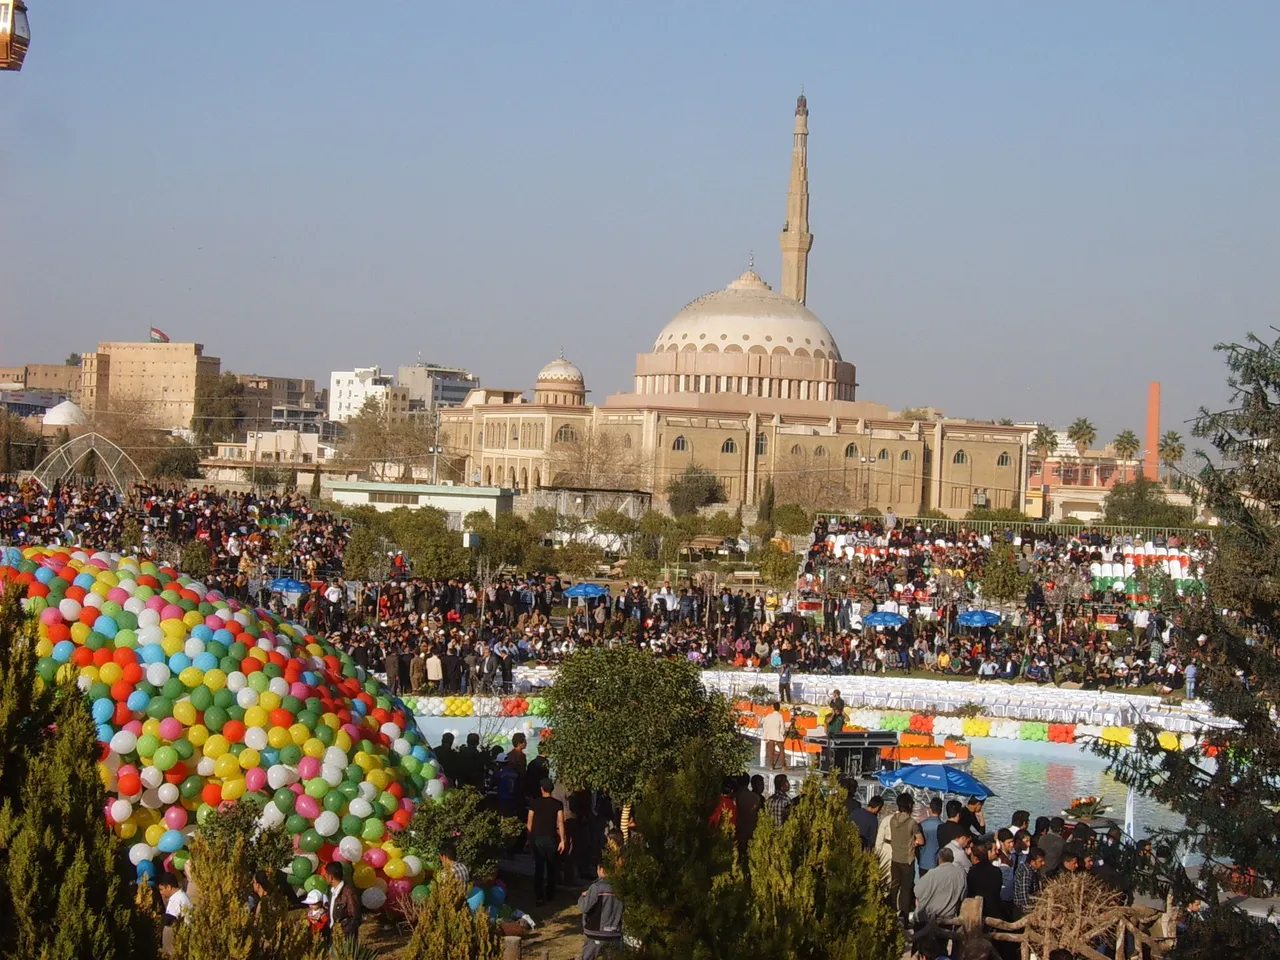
729, 446
515, 431
960, 458
1004, 460
762, 445
819, 451
566, 434
883, 454
851, 451
906, 455
626, 441
797, 451
680, 444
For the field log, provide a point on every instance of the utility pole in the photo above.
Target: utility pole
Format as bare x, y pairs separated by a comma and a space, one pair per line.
435, 443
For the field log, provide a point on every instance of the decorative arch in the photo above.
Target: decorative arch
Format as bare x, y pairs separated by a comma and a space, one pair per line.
905, 455
626, 441
488, 476
851, 451
566, 434
524, 479
729, 446
511, 478
797, 450
537, 479
883, 454
1004, 460
62, 462
819, 451
710, 348
754, 348
960, 458
680, 444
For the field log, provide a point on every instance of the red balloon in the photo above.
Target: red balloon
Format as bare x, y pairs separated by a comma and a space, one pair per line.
133, 672
123, 713
402, 816
120, 691
59, 632
233, 730
124, 655
129, 784
75, 593
280, 717
101, 656
35, 589
396, 790
212, 794
82, 657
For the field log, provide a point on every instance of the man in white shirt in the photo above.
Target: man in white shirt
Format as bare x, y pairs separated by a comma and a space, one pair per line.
177, 905
774, 731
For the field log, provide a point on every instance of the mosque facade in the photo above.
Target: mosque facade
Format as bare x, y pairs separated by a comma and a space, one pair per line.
749, 384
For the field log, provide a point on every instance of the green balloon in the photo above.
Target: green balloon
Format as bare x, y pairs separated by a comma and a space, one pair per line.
215, 647
259, 681
238, 650
173, 688
229, 664
348, 789
315, 882
159, 708
284, 799
354, 774
224, 698
388, 802
203, 813
352, 825
307, 718
295, 824
324, 733
272, 670
98, 691
146, 687
190, 788
95, 640
316, 787
184, 748
235, 712
302, 867
202, 697
372, 830
334, 801
291, 703
420, 893
180, 858
214, 718
47, 668
165, 758
290, 755
310, 841
148, 743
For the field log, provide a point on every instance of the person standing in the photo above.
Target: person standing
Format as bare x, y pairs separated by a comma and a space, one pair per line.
774, 730
779, 804
927, 854
985, 880
1027, 880
904, 838
784, 682
344, 905
601, 917
545, 823
750, 801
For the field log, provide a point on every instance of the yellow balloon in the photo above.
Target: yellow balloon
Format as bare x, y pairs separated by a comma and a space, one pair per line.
215, 679
248, 758
216, 746
172, 644
278, 737
89, 671
126, 830
152, 726
110, 672
198, 734
362, 875
80, 632
226, 767
255, 716
184, 712
100, 588
109, 578
173, 627
233, 789
363, 761
153, 834
269, 700
395, 869
314, 748
331, 721
259, 654
44, 648
193, 618
378, 778
300, 733
342, 740
191, 677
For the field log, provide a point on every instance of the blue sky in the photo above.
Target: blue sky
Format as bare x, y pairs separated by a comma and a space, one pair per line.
1024, 210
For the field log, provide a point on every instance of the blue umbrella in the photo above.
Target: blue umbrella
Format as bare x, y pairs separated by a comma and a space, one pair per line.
978, 618
287, 585
882, 618
936, 776
588, 591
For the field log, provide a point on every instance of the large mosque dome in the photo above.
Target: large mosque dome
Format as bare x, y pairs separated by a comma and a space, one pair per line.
748, 316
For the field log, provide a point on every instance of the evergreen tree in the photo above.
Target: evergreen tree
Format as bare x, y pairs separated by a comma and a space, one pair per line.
221, 926
197, 560
1001, 579
63, 890
315, 483
1229, 789
815, 891
360, 553
683, 889
463, 816
697, 487
444, 928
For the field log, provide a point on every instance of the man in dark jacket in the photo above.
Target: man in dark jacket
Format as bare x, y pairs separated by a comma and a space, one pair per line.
344, 906
601, 917
985, 880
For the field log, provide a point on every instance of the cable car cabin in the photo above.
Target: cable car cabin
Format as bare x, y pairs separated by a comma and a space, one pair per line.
15, 34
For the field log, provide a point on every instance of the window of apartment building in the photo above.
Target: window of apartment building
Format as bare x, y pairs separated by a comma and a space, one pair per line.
403, 499
960, 458
851, 451
680, 444
1004, 460
819, 451
729, 446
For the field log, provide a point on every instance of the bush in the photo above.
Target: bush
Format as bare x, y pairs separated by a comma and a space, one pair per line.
692, 490
270, 850
793, 520
444, 928
179, 459
197, 560
481, 834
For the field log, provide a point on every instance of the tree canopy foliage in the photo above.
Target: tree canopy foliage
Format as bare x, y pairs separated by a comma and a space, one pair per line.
694, 489
793, 520
219, 407
620, 716
1142, 503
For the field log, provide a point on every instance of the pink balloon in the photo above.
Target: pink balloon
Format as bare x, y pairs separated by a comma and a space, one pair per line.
50, 615
393, 826
406, 803
352, 731
376, 857
171, 728
308, 767
118, 595
125, 769
398, 889
307, 807
156, 603
255, 779
296, 788
214, 622
134, 727
299, 690
172, 612
176, 817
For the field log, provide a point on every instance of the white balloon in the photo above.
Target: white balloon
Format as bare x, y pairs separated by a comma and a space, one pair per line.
92, 600
83, 682
402, 746
412, 865
435, 788
236, 682
368, 790
272, 816
134, 605
121, 810
204, 766
351, 848
151, 798
168, 793
139, 852
124, 741
327, 823
360, 807
334, 757
193, 647
373, 898
148, 617
151, 776
256, 738
70, 609
391, 730
157, 674
278, 775
246, 697
331, 775
279, 686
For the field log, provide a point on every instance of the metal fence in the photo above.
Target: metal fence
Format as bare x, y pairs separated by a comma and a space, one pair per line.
1035, 527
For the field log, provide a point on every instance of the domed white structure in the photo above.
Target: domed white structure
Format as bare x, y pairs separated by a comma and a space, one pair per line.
561, 384
65, 414
748, 316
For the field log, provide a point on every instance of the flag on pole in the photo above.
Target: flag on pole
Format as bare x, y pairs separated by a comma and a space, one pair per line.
158, 335
1129, 825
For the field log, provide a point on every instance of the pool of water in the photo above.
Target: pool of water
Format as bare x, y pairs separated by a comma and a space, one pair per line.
1042, 778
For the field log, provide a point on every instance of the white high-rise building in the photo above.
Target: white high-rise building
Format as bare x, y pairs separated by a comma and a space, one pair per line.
350, 389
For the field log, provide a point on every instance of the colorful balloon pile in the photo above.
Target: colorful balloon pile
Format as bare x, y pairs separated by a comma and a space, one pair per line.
201, 700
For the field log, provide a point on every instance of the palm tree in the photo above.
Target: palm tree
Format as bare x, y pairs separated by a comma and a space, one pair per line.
1044, 441
1126, 444
1082, 433
1005, 422
1172, 450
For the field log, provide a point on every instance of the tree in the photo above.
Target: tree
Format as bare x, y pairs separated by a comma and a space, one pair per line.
725, 524
577, 559
17, 444
73, 360
1126, 444
177, 459
697, 487
778, 567
361, 553
619, 716
219, 407
1227, 802
997, 514
1082, 433
423, 534
1143, 503
617, 528
314, 492
130, 421
265, 848
915, 413
1171, 451
764, 525
792, 520
1005, 422
444, 927
683, 888
482, 835
815, 481
62, 892
387, 449
815, 891
197, 560
1001, 579
589, 457
221, 925
1044, 441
